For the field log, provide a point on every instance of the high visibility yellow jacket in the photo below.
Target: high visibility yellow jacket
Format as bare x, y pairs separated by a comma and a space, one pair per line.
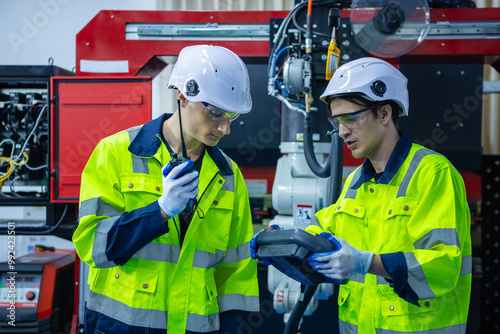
140, 274
416, 216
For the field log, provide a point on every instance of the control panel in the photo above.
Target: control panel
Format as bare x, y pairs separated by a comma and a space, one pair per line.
21, 290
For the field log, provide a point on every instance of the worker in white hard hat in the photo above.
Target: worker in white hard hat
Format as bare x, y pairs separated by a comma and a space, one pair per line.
165, 217
402, 223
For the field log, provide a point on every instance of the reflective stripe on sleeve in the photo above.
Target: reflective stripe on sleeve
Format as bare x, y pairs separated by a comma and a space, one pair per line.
100, 243
237, 301
159, 252
466, 267
240, 253
96, 206
415, 161
446, 236
417, 279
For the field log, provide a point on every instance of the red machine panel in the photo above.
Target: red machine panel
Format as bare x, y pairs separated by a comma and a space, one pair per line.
41, 291
84, 112
94, 45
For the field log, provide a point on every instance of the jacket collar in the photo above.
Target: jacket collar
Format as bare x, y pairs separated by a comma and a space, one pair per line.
398, 156
148, 142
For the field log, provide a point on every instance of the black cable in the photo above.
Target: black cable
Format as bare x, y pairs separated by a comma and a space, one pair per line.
296, 24
312, 161
48, 231
337, 155
293, 323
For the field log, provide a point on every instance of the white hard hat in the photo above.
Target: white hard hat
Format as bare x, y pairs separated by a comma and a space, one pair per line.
212, 74
373, 79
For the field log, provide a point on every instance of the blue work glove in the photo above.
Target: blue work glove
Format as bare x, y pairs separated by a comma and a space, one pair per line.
254, 247
178, 190
344, 262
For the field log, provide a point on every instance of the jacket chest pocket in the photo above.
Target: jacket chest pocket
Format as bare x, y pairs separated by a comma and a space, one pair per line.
396, 218
139, 189
400, 208
392, 306
349, 217
217, 221
130, 285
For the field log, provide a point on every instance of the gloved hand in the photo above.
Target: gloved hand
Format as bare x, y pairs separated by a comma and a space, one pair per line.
342, 263
254, 248
178, 190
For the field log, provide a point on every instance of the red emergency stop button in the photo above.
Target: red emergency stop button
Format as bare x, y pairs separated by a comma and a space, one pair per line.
30, 295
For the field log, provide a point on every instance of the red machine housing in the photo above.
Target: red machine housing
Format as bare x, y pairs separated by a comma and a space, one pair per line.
43, 292
85, 111
93, 100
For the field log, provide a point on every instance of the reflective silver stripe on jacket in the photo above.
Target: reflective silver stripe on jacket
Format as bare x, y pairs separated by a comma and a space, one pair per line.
228, 179
202, 323
359, 278
466, 267
445, 236
228, 182
415, 161
240, 253
159, 252
148, 318
204, 259
139, 165
130, 315
417, 279
455, 329
101, 241
351, 193
96, 206
381, 280
346, 328
236, 301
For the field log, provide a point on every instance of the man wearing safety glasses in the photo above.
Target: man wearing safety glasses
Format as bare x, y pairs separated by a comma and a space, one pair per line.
165, 217
401, 223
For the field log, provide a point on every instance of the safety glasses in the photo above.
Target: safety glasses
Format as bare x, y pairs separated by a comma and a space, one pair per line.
218, 114
350, 120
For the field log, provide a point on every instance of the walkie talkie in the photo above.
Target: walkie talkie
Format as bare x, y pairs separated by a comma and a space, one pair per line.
176, 160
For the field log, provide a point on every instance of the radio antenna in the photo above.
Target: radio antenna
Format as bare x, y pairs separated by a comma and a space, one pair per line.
184, 151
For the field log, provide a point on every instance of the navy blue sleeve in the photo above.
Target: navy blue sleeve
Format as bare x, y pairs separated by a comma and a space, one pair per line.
132, 231
395, 265
235, 321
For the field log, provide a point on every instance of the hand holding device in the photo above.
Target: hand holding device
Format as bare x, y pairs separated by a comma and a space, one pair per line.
179, 186
254, 246
346, 261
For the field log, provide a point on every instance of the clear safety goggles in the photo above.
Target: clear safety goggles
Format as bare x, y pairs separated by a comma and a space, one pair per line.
351, 120
218, 114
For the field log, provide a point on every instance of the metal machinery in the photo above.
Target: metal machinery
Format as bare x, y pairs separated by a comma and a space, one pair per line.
122, 58
25, 147
41, 286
